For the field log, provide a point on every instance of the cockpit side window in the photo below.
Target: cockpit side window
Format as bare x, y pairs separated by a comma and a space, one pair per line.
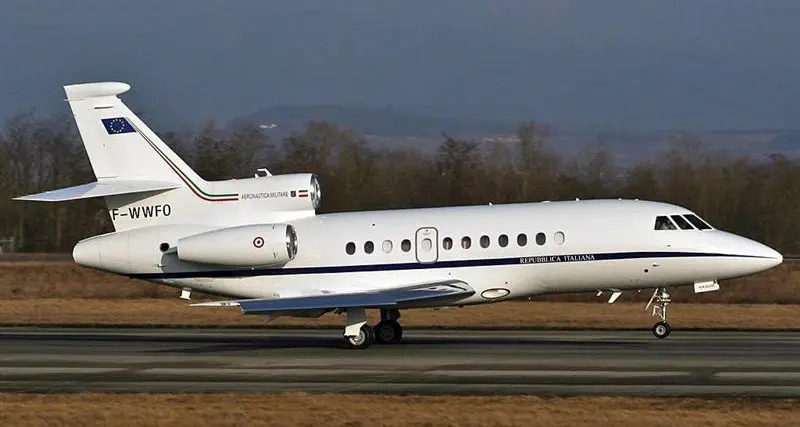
663, 223
682, 222
697, 222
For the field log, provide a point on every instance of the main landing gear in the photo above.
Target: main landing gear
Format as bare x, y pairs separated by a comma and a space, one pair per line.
363, 339
388, 330
660, 300
358, 335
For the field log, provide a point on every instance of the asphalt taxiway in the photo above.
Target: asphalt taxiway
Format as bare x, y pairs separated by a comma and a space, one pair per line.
688, 363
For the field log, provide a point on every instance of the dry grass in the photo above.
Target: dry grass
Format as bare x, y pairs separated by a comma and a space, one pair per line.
52, 292
53, 279
299, 409
506, 314
43, 279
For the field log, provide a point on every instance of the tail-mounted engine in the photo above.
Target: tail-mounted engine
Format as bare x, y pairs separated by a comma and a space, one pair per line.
256, 245
291, 192
136, 251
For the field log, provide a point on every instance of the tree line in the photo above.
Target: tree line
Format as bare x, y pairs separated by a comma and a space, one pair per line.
755, 197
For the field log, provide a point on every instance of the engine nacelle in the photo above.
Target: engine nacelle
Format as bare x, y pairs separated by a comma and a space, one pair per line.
242, 246
291, 192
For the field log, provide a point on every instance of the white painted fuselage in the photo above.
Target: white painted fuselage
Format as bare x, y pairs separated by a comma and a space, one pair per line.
551, 247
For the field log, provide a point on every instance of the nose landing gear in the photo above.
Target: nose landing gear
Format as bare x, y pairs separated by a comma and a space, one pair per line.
660, 300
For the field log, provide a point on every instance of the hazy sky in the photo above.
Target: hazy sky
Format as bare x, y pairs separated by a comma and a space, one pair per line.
619, 63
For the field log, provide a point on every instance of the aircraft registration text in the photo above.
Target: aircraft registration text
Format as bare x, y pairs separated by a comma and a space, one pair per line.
137, 212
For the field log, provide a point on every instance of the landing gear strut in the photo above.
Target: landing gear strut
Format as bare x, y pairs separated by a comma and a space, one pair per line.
660, 300
388, 330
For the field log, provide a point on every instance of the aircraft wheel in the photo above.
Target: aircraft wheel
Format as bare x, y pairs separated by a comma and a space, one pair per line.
388, 332
661, 330
364, 339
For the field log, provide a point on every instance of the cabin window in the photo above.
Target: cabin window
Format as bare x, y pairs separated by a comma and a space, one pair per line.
484, 242
447, 243
369, 247
522, 239
559, 237
466, 242
663, 223
682, 222
540, 239
697, 222
502, 240
387, 246
350, 248
405, 245
427, 244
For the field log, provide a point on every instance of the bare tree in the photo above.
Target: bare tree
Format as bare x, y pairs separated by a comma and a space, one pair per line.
759, 198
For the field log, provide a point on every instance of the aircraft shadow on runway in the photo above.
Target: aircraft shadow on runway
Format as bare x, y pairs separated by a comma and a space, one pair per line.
198, 344
280, 343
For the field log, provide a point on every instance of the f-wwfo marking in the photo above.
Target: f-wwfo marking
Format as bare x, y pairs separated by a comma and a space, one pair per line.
137, 212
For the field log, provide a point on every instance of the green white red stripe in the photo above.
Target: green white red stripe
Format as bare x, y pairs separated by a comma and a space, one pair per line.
196, 189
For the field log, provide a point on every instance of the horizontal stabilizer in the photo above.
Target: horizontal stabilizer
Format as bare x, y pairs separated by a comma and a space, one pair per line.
99, 189
414, 294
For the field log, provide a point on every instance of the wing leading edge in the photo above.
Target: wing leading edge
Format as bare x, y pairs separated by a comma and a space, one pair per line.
419, 294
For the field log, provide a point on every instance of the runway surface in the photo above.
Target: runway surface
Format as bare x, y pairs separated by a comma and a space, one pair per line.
431, 362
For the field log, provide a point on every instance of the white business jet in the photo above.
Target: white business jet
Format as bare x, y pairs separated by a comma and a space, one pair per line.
259, 243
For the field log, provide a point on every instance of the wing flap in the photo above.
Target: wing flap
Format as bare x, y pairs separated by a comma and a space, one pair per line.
392, 297
99, 189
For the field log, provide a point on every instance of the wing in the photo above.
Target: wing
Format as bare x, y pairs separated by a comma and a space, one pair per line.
422, 294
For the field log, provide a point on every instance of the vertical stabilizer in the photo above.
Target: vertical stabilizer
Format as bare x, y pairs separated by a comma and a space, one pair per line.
119, 145
142, 180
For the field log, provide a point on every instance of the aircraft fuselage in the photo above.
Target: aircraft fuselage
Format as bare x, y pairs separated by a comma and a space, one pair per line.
502, 251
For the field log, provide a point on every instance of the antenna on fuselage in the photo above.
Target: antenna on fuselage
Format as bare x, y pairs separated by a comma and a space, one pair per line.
262, 172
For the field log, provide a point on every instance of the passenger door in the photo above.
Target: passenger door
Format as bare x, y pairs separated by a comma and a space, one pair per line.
427, 245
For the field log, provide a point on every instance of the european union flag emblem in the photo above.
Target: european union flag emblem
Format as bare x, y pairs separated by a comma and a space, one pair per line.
117, 125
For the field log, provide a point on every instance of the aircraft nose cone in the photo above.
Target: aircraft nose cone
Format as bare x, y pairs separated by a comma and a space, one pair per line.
774, 255
762, 255
747, 256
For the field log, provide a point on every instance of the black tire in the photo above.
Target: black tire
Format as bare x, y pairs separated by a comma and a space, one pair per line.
388, 332
364, 339
661, 330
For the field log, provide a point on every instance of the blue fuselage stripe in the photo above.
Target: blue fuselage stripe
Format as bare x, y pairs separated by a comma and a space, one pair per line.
480, 262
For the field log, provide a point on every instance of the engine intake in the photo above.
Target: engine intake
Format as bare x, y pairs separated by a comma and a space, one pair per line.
256, 245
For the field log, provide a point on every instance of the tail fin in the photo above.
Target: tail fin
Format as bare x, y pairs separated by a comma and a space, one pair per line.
132, 164
120, 146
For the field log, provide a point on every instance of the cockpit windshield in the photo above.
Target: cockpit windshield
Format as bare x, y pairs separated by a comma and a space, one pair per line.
682, 222
663, 223
697, 222
685, 222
